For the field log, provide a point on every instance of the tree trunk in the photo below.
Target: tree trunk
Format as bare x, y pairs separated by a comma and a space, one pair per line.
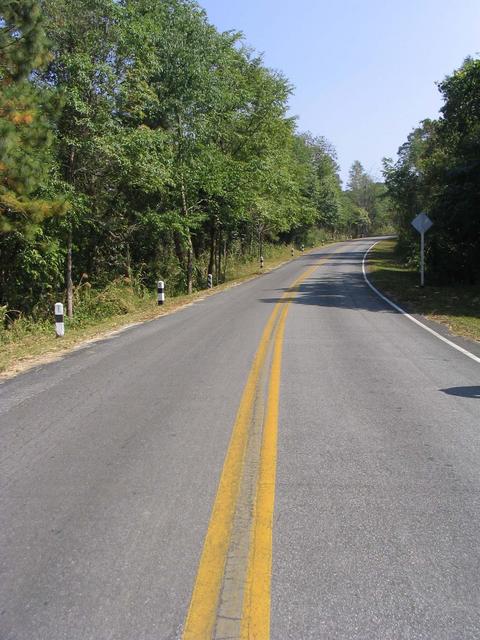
189, 265
211, 260
219, 257
190, 256
69, 281
179, 251
128, 262
224, 260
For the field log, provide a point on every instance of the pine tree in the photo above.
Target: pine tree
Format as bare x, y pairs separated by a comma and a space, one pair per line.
25, 136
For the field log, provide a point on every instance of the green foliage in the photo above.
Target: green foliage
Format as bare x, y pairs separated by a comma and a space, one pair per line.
31, 272
23, 45
438, 170
172, 147
26, 159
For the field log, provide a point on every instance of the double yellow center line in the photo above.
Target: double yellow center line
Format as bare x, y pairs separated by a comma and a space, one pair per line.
231, 595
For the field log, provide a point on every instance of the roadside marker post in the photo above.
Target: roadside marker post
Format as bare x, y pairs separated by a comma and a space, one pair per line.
160, 292
292, 252
422, 224
261, 262
209, 281
59, 322
303, 248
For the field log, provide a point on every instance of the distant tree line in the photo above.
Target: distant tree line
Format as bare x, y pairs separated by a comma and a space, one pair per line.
438, 171
137, 141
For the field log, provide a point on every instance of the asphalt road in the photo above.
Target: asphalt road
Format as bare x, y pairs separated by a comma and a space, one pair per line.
111, 459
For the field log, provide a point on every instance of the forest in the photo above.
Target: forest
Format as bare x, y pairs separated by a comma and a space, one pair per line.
138, 142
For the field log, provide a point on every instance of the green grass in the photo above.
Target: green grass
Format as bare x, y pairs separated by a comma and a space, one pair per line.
27, 342
457, 306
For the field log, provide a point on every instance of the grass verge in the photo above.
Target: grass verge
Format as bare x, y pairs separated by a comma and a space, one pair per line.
27, 343
457, 306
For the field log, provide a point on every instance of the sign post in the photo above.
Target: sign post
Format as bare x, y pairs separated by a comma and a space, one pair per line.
422, 224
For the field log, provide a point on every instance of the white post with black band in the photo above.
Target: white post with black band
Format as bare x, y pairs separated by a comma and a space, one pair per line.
210, 281
59, 323
160, 292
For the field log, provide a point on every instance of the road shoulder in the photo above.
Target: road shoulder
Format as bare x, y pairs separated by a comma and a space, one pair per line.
451, 312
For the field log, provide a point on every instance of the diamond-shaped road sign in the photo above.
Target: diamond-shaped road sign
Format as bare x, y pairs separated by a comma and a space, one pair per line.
422, 223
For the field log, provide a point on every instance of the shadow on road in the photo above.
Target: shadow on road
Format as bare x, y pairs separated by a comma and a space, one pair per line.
345, 290
341, 286
463, 392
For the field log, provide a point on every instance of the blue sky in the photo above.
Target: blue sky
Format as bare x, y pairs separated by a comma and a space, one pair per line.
364, 72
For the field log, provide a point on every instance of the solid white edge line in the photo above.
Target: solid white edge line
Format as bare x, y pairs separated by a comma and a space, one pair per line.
407, 315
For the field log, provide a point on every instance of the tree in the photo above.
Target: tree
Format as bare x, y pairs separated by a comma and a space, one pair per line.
361, 188
25, 120
438, 171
